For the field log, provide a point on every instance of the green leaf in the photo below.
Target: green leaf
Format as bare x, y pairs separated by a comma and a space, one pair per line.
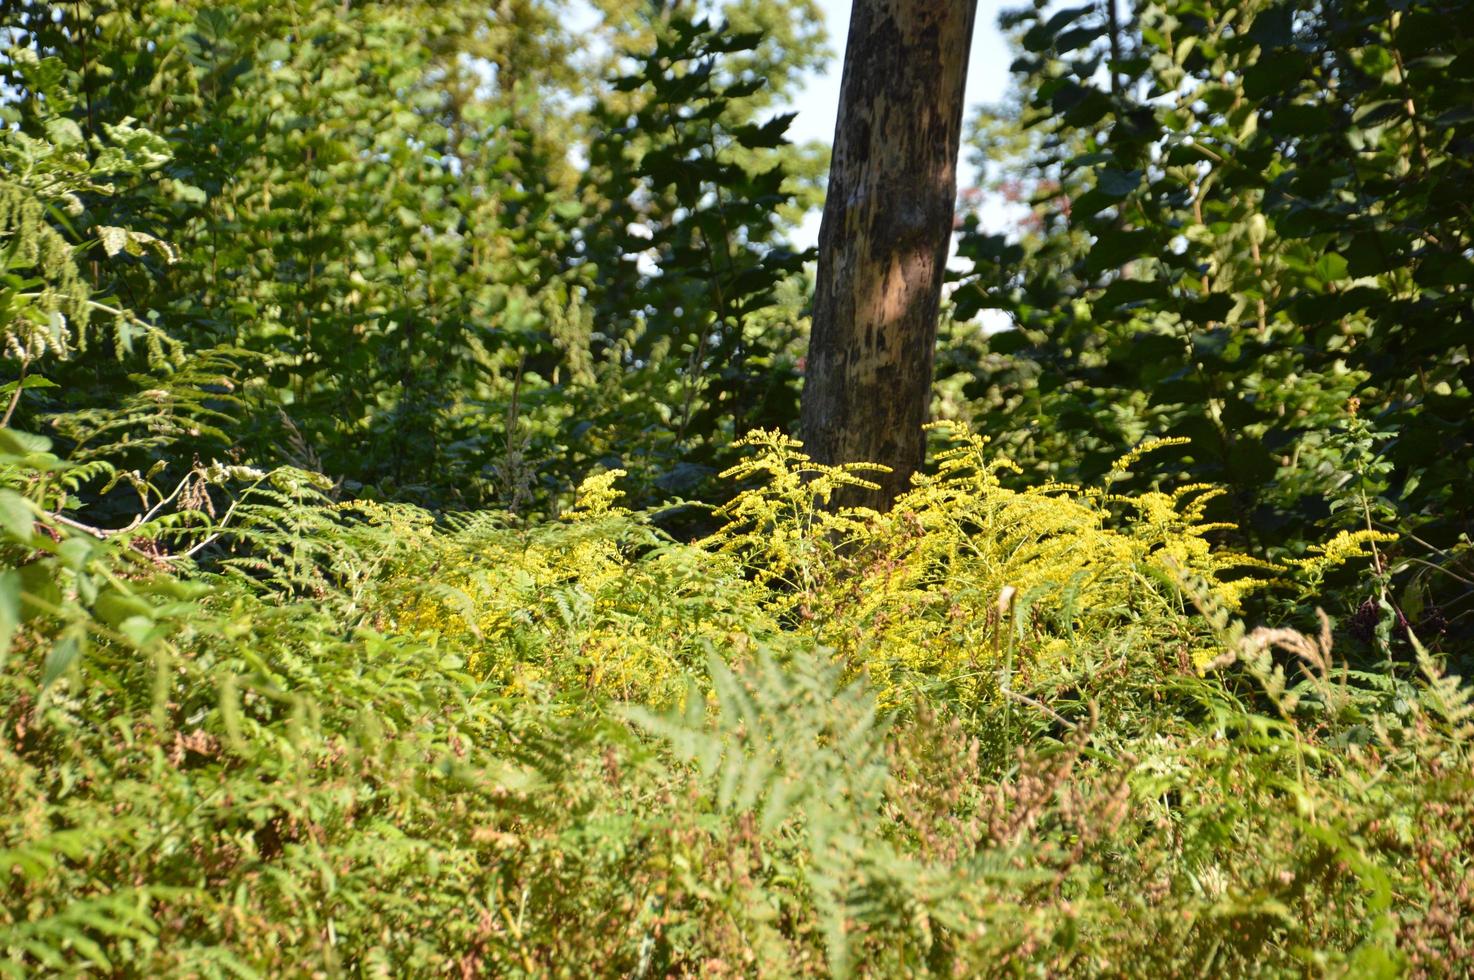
113, 607
1008, 341
1117, 184
75, 551
138, 630
10, 589
767, 136
1330, 268
63, 132
1128, 292
38, 582
63, 654
1089, 204
35, 381
1041, 36
1274, 28
1273, 76
1077, 37
17, 516
1152, 347
1186, 390
1373, 113
113, 239
1113, 249
741, 90
1209, 309
1454, 117
1298, 120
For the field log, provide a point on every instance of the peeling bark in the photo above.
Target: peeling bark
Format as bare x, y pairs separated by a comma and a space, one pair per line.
885, 234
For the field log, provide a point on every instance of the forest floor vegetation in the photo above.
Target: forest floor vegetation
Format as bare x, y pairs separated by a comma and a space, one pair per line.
988, 732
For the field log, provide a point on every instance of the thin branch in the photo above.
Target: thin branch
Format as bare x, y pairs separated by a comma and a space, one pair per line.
1031, 702
20, 386
220, 529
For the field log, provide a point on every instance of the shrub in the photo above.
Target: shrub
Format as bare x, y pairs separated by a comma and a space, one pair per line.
358, 739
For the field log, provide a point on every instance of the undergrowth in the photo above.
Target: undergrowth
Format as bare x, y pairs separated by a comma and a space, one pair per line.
261, 731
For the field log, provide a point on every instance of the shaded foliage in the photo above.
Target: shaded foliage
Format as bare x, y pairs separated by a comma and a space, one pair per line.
1247, 232
374, 202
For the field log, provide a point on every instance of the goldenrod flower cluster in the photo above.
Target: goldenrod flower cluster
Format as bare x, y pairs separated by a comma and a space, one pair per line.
964, 582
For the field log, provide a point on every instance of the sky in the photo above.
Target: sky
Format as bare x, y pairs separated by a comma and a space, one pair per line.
818, 103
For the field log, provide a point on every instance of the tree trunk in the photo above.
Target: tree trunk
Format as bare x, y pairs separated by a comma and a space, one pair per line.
884, 239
